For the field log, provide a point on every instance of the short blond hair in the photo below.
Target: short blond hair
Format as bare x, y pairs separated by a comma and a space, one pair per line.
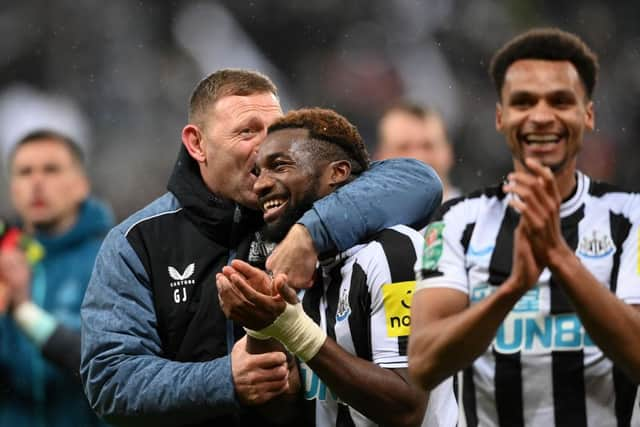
226, 82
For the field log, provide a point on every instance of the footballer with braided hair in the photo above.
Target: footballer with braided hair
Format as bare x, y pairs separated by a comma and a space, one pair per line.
330, 127
317, 138
349, 332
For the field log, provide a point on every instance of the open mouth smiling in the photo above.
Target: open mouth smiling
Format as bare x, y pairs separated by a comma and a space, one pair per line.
541, 138
273, 208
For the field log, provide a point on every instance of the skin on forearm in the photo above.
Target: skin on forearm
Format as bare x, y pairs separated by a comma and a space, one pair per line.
283, 408
612, 325
447, 335
382, 395
256, 346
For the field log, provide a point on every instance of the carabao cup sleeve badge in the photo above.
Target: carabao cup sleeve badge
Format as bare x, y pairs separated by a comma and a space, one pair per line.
433, 244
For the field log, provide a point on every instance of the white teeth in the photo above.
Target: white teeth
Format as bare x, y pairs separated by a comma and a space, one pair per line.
541, 138
272, 204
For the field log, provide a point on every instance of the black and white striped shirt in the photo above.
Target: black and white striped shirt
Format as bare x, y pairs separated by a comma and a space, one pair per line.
542, 369
364, 305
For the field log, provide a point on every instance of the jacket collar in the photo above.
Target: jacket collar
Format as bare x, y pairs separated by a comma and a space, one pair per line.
220, 219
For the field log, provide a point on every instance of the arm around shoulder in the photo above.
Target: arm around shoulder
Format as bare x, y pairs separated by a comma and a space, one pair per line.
394, 191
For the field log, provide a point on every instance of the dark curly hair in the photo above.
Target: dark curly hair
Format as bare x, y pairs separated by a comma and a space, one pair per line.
341, 139
546, 43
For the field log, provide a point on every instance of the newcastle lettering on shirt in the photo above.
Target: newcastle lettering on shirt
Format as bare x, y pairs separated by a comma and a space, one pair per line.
542, 368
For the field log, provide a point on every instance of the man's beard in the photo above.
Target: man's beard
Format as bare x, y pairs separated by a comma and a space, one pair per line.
278, 229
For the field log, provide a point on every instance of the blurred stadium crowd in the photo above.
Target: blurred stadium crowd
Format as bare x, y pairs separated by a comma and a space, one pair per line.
116, 75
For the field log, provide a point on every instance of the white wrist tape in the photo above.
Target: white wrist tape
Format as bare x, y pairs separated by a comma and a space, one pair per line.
296, 331
36, 323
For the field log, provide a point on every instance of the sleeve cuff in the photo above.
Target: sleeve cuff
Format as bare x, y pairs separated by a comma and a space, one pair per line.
36, 323
318, 232
440, 283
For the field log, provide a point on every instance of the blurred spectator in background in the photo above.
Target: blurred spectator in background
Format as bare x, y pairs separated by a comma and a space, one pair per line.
40, 334
130, 66
411, 130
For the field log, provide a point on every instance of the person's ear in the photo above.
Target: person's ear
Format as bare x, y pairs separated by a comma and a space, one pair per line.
498, 117
82, 187
340, 172
193, 141
590, 116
